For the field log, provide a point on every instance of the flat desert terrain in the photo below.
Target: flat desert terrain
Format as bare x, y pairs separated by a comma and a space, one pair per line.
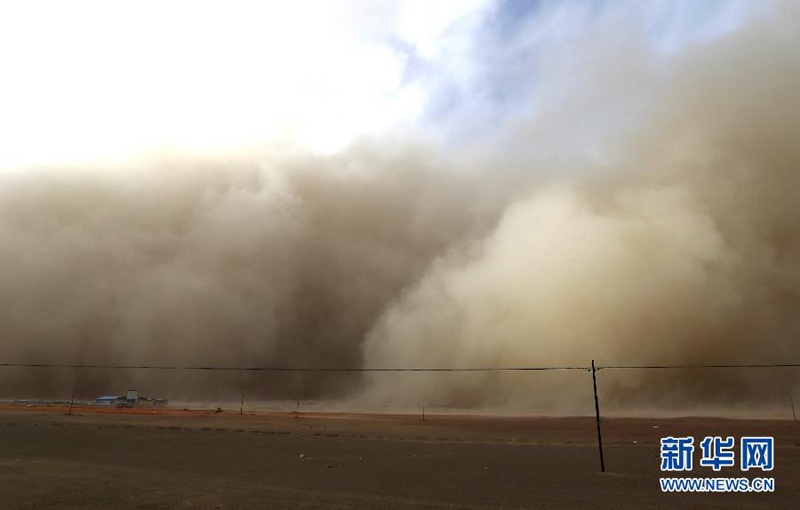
174, 459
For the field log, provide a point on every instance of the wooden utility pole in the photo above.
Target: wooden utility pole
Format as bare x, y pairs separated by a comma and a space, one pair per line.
597, 419
72, 401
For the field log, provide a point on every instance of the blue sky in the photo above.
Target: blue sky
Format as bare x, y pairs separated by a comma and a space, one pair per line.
514, 35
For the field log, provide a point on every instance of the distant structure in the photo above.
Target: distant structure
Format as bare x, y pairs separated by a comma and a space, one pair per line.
132, 399
111, 401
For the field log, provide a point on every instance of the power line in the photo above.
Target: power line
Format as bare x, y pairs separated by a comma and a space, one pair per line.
385, 369
634, 367
291, 369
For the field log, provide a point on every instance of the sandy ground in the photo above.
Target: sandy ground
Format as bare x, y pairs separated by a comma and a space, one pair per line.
200, 459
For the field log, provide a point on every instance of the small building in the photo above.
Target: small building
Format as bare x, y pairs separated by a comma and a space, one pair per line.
131, 399
108, 400
113, 401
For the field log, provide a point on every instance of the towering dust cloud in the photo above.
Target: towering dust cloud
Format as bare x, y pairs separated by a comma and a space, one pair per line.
647, 213
261, 263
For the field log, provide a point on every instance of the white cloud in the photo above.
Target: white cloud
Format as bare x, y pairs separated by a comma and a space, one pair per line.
92, 79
